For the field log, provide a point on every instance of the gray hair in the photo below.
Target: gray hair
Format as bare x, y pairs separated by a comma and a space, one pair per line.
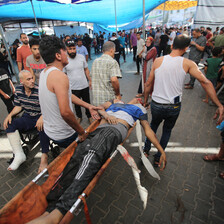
108, 46
21, 73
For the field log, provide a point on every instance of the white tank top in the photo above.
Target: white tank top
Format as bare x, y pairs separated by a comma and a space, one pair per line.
169, 80
54, 125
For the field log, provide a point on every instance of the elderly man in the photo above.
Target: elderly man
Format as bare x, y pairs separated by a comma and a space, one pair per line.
26, 99
92, 154
105, 73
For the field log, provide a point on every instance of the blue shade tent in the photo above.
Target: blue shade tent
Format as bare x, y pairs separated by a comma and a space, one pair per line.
95, 11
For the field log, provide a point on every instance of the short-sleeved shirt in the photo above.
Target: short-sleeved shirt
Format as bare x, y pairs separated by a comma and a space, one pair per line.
103, 69
194, 54
81, 50
30, 104
172, 35
37, 66
22, 53
157, 38
134, 39
219, 40
75, 72
122, 41
140, 46
213, 64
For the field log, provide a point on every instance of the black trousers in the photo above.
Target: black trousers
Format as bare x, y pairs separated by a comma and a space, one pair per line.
8, 103
122, 52
117, 58
134, 52
88, 158
138, 62
162, 49
84, 95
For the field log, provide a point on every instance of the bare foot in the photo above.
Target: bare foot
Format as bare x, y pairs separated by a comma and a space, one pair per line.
43, 162
205, 100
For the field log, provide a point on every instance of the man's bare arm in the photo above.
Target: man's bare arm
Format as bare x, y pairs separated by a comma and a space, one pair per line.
8, 119
116, 86
19, 65
87, 73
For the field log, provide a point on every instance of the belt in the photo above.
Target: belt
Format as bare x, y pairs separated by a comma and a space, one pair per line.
164, 104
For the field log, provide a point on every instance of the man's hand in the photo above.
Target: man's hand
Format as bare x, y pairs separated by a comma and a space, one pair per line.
112, 119
6, 96
193, 43
40, 124
7, 121
90, 84
219, 112
162, 161
82, 137
94, 113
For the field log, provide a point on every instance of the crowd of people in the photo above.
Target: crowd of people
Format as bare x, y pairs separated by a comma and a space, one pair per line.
54, 74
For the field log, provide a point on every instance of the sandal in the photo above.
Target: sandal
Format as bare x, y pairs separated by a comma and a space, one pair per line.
221, 175
212, 157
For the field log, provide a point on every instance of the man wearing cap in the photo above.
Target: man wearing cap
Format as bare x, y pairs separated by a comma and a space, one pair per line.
78, 73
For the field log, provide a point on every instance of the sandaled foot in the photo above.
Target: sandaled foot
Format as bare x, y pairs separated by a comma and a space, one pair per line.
221, 175
43, 162
139, 95
212, 157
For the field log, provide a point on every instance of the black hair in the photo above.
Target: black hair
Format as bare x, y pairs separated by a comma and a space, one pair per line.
34, 41
49, 46
216, 51
209, 28
181, 41
197, 30
22, 34
79, 40
139, 33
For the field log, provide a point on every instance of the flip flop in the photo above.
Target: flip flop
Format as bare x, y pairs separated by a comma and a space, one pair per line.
221, 175
212, 157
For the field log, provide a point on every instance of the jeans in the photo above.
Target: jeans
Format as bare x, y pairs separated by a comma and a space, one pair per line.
167, 113
138, 62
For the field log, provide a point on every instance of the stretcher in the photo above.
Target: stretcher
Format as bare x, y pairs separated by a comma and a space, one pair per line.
31, 202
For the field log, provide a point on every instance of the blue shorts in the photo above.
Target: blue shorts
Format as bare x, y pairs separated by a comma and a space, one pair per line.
26, 123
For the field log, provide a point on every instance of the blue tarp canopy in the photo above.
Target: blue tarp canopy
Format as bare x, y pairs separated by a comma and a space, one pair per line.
94, 11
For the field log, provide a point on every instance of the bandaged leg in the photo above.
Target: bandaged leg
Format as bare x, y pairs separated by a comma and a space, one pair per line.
20, 157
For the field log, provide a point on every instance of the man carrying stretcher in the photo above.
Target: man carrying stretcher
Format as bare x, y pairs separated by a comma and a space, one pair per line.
91, 154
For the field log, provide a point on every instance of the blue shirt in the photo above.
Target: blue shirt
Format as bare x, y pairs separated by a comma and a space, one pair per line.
82, 50
122, 41
30, 104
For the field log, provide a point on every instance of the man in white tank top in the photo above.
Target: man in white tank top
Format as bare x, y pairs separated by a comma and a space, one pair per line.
167, 79
55, 95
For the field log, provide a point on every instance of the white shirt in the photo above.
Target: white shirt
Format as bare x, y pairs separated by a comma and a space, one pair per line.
75, 72
172, 35
140, 46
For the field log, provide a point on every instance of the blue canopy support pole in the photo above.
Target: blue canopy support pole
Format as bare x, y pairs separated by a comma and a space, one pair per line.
143, 16
8, 52
53, 26
35, 18
115, 10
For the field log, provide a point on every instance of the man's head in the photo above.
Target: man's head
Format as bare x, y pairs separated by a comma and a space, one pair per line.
34, 47
181, 42
26, 79
208, 29
138, 35
202, 28
222, 30
185, 28
24, 38
135, 30
196, 33
114, 34
217, 29
79, 42
52, 49
109, 48
217, 51
67, 37
71, 48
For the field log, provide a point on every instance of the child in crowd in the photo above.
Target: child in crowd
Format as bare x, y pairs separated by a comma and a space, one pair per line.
212, 66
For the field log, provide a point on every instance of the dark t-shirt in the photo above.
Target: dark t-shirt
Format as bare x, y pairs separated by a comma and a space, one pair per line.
163, 40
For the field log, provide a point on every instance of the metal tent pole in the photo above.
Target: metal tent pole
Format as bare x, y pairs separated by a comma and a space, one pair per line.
164, 7
8, 52
115, 9
35, 18
143, 16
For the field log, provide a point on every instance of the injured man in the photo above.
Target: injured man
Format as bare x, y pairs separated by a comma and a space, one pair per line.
91, 154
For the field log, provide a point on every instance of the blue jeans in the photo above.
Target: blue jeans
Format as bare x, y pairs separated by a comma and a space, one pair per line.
166, 113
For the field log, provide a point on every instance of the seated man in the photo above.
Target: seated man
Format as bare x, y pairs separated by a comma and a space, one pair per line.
26, 99
91, 154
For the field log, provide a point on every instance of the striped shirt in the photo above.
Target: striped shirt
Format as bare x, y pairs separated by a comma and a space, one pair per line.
30, 104
103, 69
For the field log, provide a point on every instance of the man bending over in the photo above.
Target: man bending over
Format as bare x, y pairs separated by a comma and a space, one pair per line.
91, 154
